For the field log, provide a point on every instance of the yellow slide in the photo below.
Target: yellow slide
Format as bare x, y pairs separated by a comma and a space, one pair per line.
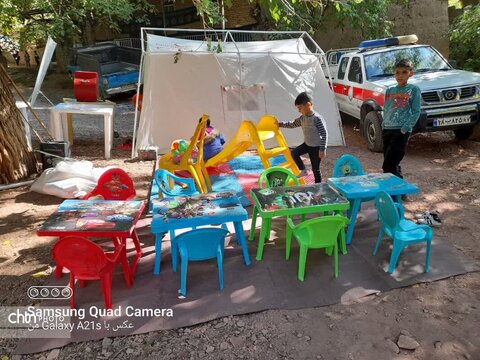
245, 137
248, 134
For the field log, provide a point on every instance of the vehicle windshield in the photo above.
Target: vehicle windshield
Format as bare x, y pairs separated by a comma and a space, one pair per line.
424, 59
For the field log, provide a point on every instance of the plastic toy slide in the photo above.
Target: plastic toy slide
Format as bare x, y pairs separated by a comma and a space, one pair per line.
245, 137
248, 135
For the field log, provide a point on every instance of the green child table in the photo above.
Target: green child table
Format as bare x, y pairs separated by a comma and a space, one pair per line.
294, 200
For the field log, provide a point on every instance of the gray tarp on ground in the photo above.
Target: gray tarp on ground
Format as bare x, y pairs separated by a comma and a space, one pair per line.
268, 284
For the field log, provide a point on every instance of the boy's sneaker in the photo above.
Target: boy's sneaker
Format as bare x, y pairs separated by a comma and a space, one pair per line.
427, 214
430, 218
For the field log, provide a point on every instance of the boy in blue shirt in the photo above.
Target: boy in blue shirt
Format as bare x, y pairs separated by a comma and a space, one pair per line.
315, 135
400, 114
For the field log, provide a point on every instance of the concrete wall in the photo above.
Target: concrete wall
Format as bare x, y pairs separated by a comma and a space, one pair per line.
428, 19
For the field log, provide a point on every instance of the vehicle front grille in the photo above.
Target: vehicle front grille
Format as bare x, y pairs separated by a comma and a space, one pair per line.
448, 95
467, 92
431, 96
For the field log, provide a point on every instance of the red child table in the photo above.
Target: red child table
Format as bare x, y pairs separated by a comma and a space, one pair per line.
96, 218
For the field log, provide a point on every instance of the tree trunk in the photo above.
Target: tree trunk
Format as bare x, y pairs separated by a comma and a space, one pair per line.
63, 55
17, 161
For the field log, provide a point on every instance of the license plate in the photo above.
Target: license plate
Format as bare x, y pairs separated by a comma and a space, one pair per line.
452, 120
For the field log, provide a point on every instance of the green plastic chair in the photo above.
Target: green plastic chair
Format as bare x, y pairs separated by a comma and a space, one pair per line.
319, 233
273, 177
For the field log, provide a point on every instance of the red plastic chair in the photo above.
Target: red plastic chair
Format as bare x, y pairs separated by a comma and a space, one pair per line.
87, 261
114, 184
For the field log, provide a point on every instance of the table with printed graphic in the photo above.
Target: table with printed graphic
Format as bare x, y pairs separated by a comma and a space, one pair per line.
96, 218
294, 200
362, 187
180, 212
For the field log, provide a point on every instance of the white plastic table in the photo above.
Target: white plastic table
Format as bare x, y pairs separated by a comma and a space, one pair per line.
59, 125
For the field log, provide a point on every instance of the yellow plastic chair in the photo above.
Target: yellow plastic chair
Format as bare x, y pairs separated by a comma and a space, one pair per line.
195, 167
318, 233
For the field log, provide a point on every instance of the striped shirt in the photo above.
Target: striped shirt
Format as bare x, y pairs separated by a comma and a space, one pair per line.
314, 129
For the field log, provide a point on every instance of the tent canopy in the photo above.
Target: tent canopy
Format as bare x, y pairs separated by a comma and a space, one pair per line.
230, 80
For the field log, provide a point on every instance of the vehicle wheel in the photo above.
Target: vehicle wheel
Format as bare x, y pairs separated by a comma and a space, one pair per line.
475, 133
463, 133
373, 131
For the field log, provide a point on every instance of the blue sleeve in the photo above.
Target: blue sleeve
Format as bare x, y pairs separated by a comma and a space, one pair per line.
415, 104
222, 139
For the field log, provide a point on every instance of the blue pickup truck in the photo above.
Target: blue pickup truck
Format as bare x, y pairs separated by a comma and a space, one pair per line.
117, 66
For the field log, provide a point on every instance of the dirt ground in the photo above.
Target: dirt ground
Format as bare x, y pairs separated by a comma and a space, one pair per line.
439, 320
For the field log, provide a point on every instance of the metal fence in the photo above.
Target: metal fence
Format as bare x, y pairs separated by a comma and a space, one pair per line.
134, 43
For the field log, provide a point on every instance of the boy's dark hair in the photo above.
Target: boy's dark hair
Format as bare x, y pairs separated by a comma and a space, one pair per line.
302, 99
404, 63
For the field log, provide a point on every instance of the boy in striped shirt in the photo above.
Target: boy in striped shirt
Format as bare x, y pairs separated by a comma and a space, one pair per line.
315, 135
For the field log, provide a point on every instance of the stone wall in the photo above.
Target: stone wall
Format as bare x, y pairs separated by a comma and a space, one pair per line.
428, 19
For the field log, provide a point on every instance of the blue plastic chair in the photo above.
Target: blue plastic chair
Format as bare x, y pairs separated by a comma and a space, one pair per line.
403, 232
272, 177
171, 185
347, 165
197, 245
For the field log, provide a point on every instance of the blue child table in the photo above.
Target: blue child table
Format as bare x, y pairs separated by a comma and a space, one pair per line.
181, 212
363, 187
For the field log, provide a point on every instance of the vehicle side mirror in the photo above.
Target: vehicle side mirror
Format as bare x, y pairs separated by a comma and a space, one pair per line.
453, 63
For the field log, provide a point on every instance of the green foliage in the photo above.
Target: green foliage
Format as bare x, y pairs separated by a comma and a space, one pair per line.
9, 23
66, 20
368, 16
308, 15
209, 11
456, 3
465, 38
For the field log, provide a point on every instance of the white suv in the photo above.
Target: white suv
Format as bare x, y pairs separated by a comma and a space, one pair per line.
450, 97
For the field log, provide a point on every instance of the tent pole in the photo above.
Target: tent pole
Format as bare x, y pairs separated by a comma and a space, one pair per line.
223, 14
134, 137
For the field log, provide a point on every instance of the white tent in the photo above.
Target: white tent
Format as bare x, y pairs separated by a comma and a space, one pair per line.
184, 79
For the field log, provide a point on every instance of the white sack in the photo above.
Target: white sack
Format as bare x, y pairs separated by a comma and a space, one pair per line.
68, 179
